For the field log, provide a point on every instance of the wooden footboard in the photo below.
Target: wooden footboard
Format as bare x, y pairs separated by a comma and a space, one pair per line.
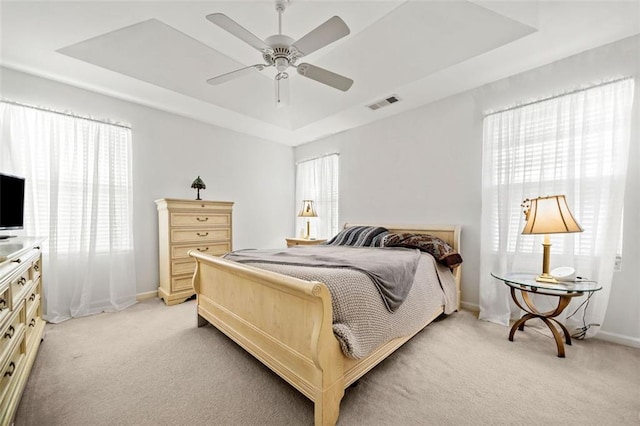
283, 321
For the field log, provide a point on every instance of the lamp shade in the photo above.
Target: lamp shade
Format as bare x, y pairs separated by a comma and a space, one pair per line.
307, 209
549, 215
198, 183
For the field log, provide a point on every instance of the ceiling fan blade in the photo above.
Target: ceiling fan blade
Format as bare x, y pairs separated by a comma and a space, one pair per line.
232, 27
331, 30
325, 77
223, 78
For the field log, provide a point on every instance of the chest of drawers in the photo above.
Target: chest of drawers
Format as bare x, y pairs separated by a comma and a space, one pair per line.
185, 225
21, 323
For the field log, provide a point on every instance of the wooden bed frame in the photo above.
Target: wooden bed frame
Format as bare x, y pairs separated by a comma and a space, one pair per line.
286, 323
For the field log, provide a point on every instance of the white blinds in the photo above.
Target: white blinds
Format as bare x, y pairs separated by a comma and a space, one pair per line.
577, 145
317, 180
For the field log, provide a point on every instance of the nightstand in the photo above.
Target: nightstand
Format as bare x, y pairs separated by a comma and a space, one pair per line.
303, 242
526, 284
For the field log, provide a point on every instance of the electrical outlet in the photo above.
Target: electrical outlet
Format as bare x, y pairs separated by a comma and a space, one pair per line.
617, 266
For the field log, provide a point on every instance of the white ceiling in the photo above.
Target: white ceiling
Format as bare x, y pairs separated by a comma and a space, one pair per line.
160, 53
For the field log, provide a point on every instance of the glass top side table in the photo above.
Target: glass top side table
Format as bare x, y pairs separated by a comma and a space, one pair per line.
526, 284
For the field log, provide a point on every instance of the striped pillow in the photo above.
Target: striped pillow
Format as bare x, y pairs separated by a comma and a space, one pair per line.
360, 236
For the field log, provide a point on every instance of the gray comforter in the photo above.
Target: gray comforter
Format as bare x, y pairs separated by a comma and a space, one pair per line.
391, 269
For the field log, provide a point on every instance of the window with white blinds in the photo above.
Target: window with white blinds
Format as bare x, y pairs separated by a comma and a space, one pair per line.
317, 179
570, 145
78, 178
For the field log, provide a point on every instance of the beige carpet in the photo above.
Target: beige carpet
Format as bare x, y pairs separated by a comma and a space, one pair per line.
150, 365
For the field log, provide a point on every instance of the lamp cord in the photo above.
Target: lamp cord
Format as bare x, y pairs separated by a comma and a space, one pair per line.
581, 332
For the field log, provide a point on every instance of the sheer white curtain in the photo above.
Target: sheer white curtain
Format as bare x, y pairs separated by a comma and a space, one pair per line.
78, 195
317, 180
577, 145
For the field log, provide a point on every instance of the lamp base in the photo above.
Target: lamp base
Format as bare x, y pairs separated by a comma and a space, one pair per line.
546, 278
308, 234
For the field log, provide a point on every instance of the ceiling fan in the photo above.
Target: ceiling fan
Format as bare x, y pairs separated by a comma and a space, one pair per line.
281, 51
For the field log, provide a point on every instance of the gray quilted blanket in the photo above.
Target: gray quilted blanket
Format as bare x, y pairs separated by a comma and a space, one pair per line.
361, 321
391, 269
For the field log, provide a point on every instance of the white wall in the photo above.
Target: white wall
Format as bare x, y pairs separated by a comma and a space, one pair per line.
424, 167
169, 151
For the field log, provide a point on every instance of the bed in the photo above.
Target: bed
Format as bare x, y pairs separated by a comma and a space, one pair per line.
287, 322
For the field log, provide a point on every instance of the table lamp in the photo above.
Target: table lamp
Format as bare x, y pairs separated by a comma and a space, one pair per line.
548, 215
307, 211
198, 184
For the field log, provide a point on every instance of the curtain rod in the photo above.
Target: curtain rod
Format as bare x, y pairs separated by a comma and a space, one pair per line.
68, 114
315, 158
558, 96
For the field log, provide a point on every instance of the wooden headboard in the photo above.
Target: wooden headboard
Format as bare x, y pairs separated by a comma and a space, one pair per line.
448, 233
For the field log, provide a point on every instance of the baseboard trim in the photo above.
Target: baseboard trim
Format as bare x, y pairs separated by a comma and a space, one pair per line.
618, 338
469, 306
146, 296
602, 335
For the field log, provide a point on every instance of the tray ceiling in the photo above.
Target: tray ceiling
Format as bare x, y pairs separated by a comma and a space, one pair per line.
160, 54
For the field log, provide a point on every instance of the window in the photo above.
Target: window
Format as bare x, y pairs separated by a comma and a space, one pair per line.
566, 145
78, 194
574, 145
80, 170
317, 180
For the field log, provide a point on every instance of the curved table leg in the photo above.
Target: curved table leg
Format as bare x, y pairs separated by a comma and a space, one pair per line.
567, 336
556, 336
547, 317
519, 325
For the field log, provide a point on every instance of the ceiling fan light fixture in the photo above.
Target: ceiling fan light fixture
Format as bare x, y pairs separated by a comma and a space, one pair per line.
281, 64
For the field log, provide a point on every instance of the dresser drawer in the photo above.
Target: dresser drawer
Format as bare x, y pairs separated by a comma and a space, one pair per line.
4, 305
200, 220
10, 374
19, 285
214, 249
33, 299
35, 269
181, 267
182, 283
33, 318
11, 332
188, 235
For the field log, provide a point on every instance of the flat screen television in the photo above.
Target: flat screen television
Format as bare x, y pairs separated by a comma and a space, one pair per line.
11, 203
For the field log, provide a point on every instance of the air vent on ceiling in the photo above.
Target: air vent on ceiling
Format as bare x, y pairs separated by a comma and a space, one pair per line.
383, 103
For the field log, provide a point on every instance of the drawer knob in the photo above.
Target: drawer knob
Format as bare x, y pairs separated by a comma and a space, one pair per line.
202, 220
32, 323
22, 281
10, 332
3, 304
32, 297
202, 235
12, 368
203, 249
36, 267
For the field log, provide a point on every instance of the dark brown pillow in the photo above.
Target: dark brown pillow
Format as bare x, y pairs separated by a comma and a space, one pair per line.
439, 249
